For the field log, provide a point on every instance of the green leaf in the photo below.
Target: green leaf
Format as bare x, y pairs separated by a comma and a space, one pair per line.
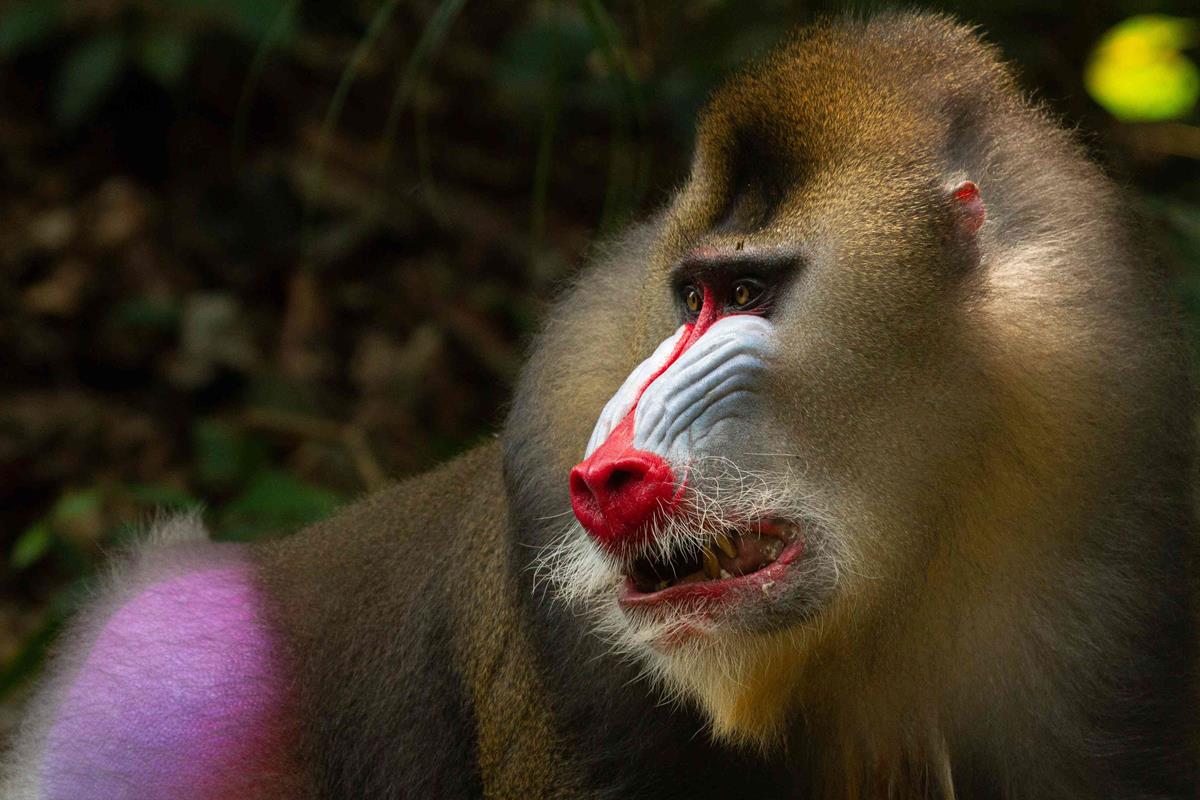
533, 53
164, 55
25, 663
39, 538
143, 312
223, 455
216, 451
31, 545
1139, 73
88, 74
75, 505
27, 24
251, 19
162, 495
275, 502
282, 28
256, 19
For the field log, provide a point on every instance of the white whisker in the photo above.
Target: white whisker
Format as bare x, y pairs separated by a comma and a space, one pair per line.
573, 570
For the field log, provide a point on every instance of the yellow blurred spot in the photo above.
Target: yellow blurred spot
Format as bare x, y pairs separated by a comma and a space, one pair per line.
1138, 72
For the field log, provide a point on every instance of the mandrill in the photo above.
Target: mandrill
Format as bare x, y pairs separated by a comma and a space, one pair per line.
863, 470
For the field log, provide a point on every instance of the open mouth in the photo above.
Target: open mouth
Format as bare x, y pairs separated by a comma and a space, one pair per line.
736, 557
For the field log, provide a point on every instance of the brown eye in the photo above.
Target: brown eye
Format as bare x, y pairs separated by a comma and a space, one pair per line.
693, 299
743, 293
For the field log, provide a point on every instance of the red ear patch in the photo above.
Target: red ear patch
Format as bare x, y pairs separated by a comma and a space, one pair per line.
968, 206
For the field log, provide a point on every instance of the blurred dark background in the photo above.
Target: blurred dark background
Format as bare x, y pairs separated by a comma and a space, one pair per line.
262, 255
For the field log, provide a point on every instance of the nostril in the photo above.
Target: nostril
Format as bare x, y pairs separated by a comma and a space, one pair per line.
615, 494
581, 490
619, 478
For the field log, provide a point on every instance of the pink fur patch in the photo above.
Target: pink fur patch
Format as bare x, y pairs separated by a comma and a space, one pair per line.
180, 696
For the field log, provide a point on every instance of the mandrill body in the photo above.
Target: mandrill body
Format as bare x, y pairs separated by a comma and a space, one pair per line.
878, 443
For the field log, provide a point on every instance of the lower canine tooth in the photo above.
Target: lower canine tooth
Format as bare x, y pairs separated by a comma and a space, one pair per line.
726, 544
712, 567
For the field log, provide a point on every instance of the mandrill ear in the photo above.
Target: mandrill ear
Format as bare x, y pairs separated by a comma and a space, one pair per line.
966, 208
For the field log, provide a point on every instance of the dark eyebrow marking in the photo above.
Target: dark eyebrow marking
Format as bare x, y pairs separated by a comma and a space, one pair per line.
717, 265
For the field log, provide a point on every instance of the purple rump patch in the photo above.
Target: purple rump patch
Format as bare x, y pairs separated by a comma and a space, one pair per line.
180, 696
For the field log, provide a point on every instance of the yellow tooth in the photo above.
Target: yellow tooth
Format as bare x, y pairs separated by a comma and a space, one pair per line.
712, 567
726, 544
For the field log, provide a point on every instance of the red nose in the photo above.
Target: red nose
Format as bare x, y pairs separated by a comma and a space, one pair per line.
617, 490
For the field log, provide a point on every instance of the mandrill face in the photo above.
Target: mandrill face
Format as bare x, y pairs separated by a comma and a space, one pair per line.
683, 490
799, 313
853, 417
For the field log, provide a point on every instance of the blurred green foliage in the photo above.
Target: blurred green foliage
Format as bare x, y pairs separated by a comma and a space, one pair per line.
263, 501
157, 39
1139, 72
257, 256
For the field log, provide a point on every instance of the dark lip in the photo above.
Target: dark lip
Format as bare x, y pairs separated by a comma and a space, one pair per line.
712, 593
